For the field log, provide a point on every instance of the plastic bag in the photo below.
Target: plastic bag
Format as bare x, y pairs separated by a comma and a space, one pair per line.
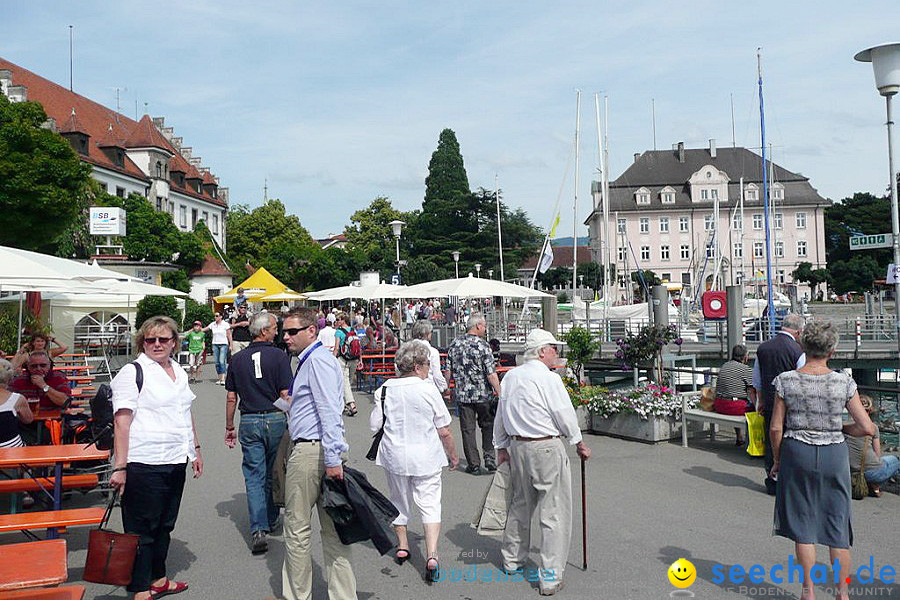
756, 434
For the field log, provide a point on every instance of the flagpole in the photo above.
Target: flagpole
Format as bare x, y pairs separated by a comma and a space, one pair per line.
499, 234
575, 202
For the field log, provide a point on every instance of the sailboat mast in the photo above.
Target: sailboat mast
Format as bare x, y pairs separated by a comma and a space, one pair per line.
607, 275
762, 133
575, 202
604, 244
499, 228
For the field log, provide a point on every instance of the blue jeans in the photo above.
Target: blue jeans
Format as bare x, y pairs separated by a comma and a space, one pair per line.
220, 351
260, 434
890, 466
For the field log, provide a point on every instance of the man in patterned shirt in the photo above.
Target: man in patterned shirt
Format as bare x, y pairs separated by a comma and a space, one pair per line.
476, 387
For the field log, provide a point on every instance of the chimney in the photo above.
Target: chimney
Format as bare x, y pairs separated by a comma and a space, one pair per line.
681, 152
712, 147
160, 122
637, 155
17, 93
186, 152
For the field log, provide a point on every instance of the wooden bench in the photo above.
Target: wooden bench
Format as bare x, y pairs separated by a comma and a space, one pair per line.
12, 486
68, 592
713, 418
31, 564
51, 518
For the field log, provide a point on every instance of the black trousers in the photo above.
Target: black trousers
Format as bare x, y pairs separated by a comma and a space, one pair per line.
769, 459
150, 508
482, 415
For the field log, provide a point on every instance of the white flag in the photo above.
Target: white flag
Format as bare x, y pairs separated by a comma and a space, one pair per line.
546, 258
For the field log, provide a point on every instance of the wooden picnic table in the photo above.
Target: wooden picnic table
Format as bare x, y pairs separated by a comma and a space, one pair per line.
32, 564
32, 456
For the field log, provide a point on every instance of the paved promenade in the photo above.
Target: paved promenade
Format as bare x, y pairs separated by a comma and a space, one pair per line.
648, 505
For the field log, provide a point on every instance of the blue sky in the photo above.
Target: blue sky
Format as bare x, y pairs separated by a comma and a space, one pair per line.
336, 103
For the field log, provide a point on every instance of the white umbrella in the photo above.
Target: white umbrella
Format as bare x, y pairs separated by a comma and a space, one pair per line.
20, 265
468, 287
365, 292
286, 295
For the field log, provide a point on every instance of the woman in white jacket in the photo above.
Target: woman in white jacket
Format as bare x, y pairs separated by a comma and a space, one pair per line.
417, 444
422, 331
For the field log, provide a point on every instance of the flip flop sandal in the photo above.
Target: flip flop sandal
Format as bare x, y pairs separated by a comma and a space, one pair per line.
166, 589
401, 559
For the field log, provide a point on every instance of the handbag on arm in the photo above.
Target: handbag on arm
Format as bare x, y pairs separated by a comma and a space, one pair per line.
110, 556
372, 454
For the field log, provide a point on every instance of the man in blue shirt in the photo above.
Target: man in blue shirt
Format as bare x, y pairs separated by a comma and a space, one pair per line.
317, 432
259, 376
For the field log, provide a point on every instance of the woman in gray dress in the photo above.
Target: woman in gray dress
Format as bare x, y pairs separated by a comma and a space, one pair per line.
812, 502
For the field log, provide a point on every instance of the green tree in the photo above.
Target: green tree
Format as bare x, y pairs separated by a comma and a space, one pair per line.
444, 208
649, 280
580, 348
370, 235
151, 306
862, 213
556, 277
804, 273
856, 274
43, 185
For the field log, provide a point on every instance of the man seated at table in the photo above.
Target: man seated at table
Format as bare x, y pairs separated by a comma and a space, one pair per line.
41, 384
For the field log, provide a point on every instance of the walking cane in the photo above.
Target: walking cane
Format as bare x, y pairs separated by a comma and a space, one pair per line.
583, 519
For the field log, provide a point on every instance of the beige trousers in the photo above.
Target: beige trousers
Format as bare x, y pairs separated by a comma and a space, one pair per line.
302, 489
348, 368
541, 480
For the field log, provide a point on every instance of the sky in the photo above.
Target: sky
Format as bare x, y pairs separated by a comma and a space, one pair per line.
332, 104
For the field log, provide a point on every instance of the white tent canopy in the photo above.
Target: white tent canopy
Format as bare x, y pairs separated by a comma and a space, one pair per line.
365, 292
19, 266
468, 287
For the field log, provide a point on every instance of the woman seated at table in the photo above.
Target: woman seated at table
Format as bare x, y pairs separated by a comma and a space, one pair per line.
735, 394
417, 444
38, 341
155, 439
14, 409
879, 468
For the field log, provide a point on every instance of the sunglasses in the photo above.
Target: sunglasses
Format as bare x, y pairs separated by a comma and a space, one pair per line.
295, 330
161, 340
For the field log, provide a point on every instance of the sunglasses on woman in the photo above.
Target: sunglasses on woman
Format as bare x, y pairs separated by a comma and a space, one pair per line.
161, 340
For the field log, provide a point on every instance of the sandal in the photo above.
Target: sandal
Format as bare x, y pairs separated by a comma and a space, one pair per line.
352, 410
431, 572
401, 559
166, 589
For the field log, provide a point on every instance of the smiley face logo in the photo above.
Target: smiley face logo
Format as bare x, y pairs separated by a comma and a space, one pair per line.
682, 573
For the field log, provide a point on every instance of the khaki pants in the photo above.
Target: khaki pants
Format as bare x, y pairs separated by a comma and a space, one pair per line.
540, 479
348, 367
302, 489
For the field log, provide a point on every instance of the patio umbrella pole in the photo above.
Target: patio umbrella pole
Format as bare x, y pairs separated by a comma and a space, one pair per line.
19, 330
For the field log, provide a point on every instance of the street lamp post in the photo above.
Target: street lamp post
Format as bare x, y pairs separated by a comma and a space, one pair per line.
885, 61
396, 228
478, 269
490, 273
456, 261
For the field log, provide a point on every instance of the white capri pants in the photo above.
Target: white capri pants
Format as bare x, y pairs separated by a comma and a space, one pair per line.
425, 492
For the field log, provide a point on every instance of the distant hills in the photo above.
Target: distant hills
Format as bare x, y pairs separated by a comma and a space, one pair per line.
567, 241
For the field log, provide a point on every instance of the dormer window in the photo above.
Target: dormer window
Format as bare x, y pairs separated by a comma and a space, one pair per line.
642, 196
667, 195
777, 191
751, 192
704, 194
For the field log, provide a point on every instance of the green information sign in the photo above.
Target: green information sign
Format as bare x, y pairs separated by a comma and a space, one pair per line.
868, 242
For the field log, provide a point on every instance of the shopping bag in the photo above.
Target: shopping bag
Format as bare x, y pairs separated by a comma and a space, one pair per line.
756, 434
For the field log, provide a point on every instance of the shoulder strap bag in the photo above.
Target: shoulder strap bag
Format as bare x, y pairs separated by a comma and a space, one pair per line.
110, 556
372, 454
859, 487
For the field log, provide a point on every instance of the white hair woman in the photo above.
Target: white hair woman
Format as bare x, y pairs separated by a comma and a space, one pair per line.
422, 331
155, 439
417, 444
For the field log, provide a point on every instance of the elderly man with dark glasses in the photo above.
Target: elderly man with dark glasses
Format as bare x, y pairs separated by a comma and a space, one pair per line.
41, 384
317, 434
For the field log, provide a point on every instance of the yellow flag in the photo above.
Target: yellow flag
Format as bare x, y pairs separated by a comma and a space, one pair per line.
555, 225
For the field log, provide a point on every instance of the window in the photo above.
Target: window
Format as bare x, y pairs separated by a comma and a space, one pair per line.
708, 223
645, 253
205, 217
664, 252
801, 220
645, 225
621, 225
159, 169
737, 250
667, 277
714, 194
193, 217
215, 224
643, 198
777, 192
757, 221
757, 249
664, 224
737, 222
621, 253
104, 187
710, 251
159, 203
668, 197
686, 278
751, 193
779, 249
779, 220
183, 215
120, 192
685, 252
621, 281
738, 278
780, 276
683, 224
704, 194
801, 248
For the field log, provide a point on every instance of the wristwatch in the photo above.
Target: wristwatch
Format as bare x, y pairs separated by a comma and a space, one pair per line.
45, 389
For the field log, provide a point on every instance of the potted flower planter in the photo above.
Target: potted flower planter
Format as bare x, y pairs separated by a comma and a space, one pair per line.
630, 426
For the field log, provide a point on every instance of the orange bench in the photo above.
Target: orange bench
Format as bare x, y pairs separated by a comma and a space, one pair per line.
12, 486
68, 592
51, 518
31, 564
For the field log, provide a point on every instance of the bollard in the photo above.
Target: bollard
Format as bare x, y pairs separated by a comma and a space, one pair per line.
858, 334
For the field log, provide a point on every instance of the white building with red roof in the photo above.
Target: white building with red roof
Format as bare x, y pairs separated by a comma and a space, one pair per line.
127, 156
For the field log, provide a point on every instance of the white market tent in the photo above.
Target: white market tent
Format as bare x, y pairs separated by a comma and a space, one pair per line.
365, 292
468, 287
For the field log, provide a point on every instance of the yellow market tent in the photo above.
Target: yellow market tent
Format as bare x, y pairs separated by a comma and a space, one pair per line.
261, 283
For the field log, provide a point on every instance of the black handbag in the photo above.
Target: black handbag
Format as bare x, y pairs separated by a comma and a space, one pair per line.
372, 454
110, 556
